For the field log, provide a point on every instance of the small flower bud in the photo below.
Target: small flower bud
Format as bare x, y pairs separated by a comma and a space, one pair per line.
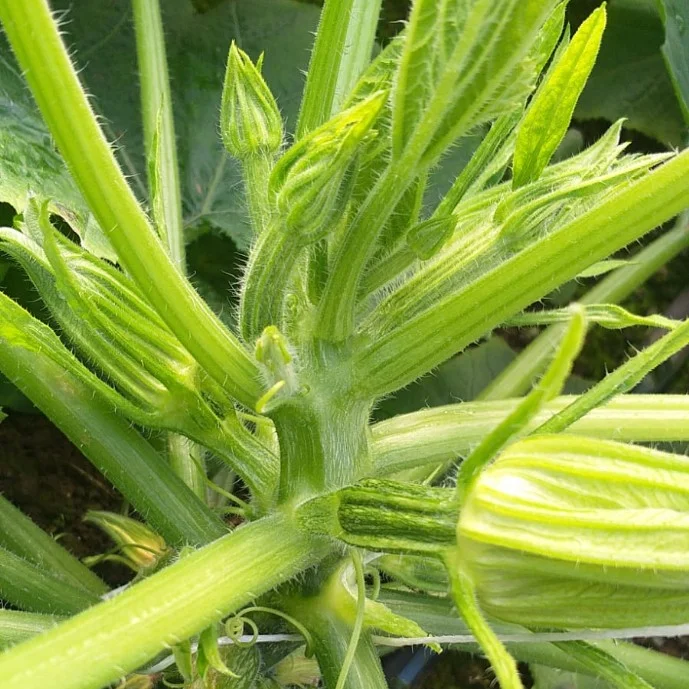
250, 121
140, 547
311, 180
567, 532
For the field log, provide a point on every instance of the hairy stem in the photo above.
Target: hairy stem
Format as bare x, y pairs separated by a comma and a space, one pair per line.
445, 434
66, 111
343, 47
21, 536
156, 107
118, 636
516, 378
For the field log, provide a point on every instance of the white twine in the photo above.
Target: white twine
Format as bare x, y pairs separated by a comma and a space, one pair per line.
512, 637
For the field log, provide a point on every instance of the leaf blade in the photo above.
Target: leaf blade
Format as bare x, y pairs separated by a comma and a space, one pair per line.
548, 117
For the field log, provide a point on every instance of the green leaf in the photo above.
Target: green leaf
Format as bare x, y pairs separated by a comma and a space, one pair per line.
630, 78
675, 16
30, 165
548, 116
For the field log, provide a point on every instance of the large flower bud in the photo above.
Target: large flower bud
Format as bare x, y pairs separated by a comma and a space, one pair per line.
565, 532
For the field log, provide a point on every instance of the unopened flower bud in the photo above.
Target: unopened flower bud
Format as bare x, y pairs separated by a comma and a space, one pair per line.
139, 546
566, 532
250, 121
310, 180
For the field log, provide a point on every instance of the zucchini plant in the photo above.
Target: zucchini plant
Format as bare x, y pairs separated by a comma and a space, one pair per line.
556, 531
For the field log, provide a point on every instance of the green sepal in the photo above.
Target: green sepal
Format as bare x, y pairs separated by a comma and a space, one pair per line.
208, 657
427, 238
549, 114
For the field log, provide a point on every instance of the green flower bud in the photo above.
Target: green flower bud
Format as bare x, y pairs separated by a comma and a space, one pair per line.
112, 324
250, 121
139, 546
567, 532
313, 179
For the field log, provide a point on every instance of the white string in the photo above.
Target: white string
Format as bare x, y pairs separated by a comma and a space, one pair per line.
515, 637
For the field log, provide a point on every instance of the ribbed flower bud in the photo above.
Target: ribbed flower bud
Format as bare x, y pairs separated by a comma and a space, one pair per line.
561, 531
310, 180
139, 546
250, 122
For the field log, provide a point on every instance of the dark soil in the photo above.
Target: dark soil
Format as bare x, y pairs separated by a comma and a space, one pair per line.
49, 480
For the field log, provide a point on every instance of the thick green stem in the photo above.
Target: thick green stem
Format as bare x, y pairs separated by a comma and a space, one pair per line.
344, 43
16, 626
445, 434
118, 636
323, 442
30, 587
267, 280
613, 289
394, 358
21, 536
331, 632
156, 107
66, 110
257, 169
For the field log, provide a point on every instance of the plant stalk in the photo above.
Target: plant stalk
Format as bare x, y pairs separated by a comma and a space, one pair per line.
123, 633
66, 111
156, 107
21, 536
30, 587
445, 434
109, 442
343, 47
518, 376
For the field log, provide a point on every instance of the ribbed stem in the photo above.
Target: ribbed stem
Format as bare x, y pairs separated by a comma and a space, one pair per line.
21, 536
613, 289
445, 434
109, 442
159, 125
16, 626
66, 111
28, 586
109, 640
